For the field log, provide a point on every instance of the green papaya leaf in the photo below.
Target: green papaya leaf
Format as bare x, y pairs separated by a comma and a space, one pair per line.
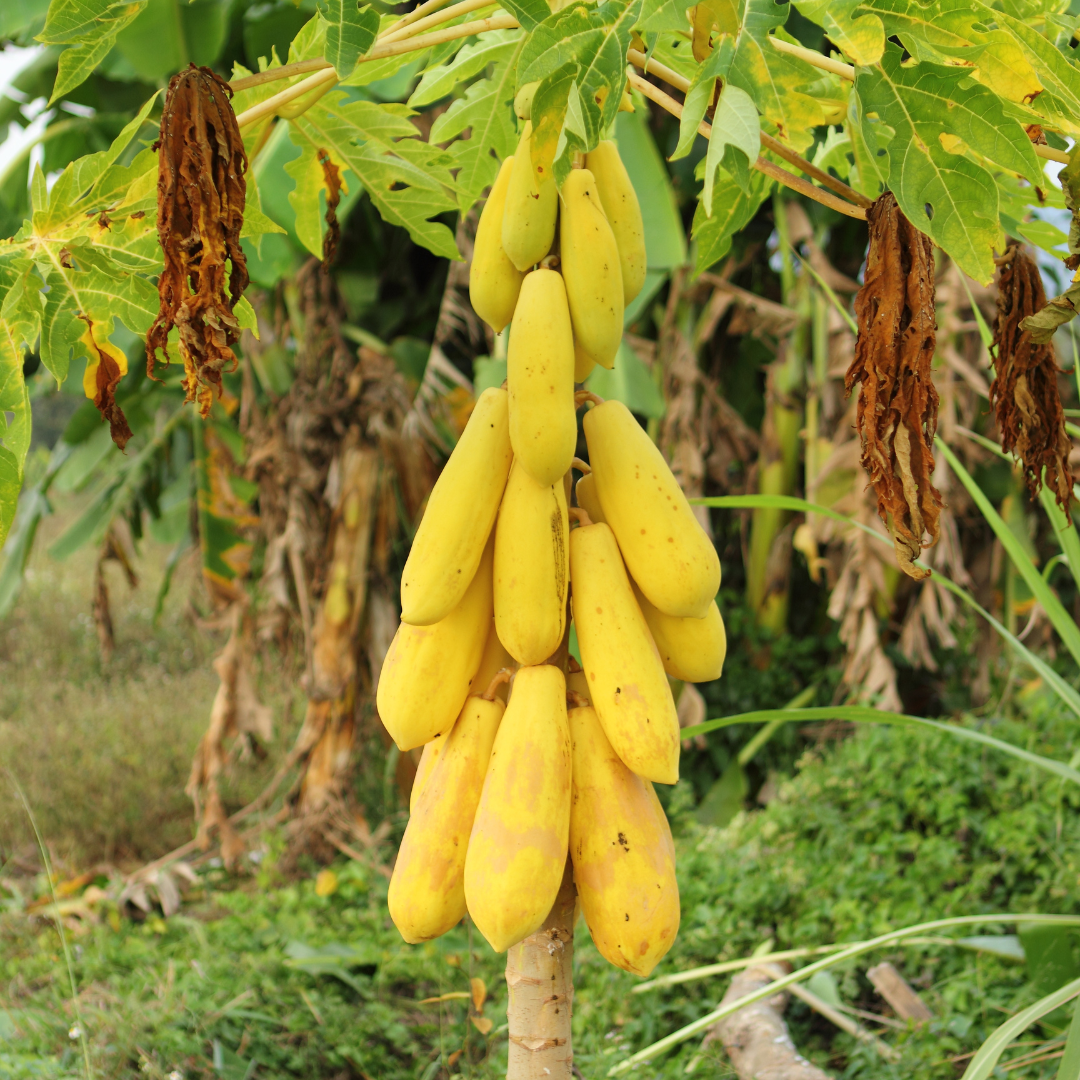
89, 29
735, 129
350, 32
484, 111
732, 209
949, 197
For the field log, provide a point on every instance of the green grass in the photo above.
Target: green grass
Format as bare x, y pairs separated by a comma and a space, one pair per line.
103, 751
890, 827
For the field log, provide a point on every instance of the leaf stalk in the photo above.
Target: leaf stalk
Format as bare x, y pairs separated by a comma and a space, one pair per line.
803, 187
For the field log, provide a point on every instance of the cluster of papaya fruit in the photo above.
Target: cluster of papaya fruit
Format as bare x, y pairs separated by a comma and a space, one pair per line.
529, 755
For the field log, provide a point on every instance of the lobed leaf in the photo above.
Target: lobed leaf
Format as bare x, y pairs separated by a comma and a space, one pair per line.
350, 32
408, 180
950, 198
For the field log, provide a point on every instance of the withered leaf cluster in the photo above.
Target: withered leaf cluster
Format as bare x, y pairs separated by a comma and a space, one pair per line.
201, 192
1025, 390
898, 403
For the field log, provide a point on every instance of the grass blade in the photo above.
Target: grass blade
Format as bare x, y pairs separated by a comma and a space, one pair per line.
1059, 617
790, 502
1061, 522
1069, 1069
863, 714
47, 862
985, 1061
858, 949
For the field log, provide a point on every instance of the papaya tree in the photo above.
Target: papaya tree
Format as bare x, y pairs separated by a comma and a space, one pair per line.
191, 150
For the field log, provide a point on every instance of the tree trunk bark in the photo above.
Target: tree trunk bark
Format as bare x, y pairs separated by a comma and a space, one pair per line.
540, 981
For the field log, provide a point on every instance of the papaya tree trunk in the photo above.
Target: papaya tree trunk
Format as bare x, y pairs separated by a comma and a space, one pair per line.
540, 985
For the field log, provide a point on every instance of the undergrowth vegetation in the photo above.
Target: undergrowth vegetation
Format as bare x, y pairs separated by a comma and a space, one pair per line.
103, 750
303, 975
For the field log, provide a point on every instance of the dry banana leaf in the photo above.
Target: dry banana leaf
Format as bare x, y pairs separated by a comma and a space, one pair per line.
1025, 390
897, 408
201, 192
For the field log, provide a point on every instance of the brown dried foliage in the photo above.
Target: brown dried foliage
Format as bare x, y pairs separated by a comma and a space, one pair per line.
897, 408
332, 176
201, 192
108, 374
1025, 390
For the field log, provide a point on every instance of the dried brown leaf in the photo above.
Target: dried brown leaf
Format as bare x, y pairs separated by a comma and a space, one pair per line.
106, 368
201, 193
897, 408
1025, 390
332, 177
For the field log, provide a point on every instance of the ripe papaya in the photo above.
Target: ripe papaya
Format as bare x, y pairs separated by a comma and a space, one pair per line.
430, 755
623, 212
427, 890
540, 379
427, 671
666, 550
692, 649
517, 850
494, 281
532, 205
460, 512
495, 658
585, 490
532, 567
591, 268
623, 855
627, 684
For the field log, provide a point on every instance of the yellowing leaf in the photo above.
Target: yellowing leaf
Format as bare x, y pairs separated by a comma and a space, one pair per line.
326, 883
479, 993
483, 1024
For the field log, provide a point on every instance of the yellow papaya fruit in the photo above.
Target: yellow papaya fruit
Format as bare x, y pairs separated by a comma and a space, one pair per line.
495, 658
591, 269
427, 890
540, 379
494, 281
585, 490
431, 753
583, 364
624, 859
627, 684
692, 649
460, 512
523, 100
427, 671
532, 567
532, 205
623, 212
666, 550
517, 850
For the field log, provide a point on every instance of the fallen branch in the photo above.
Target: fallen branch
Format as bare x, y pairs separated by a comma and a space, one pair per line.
756, 1038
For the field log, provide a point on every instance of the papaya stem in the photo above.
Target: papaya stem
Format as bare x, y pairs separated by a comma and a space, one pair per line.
503, 675
581, 396
581, 466
575, 700
576, 513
